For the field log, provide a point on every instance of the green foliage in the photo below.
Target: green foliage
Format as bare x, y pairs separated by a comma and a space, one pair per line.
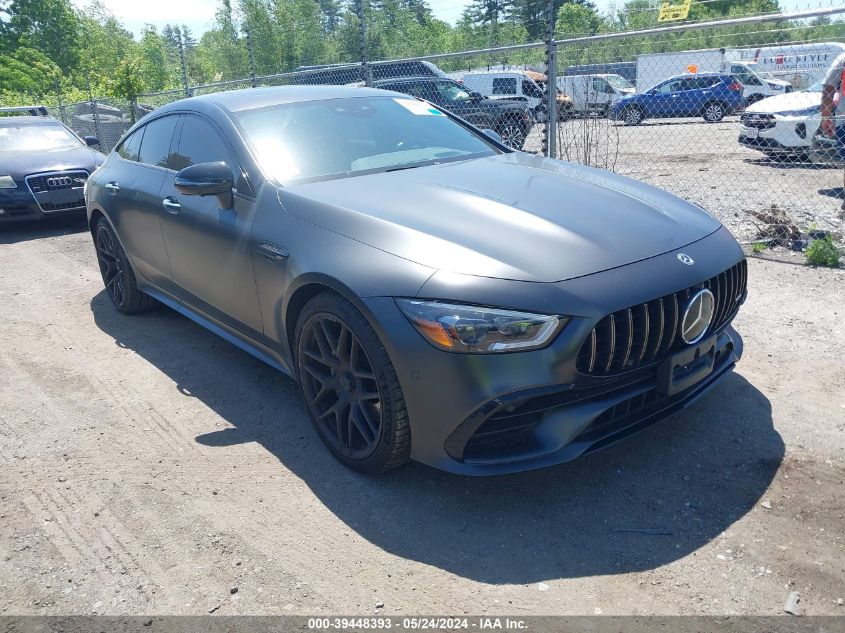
823, 252
759, 247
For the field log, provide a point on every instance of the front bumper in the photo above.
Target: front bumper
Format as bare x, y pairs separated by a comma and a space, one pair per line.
20, 206
503, 413
788, 135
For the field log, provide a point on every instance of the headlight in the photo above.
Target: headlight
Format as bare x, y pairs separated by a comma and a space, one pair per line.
477, 330
7, 182
803, 112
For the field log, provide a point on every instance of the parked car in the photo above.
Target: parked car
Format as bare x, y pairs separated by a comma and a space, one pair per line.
708, 95
43, 165
508, 84
653, 68
342, 74
784, 125
436, 295
595, 93
509, 119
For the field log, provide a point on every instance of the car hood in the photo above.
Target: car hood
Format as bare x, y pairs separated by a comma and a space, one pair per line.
19, 164
786, 102
511, 216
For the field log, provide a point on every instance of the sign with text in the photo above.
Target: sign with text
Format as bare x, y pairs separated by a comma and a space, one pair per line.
674, 11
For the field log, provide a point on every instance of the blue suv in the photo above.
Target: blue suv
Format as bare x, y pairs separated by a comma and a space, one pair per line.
708, 95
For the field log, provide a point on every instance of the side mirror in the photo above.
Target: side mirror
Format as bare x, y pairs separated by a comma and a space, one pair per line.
494, 135
475, 96
91, 141
207, 179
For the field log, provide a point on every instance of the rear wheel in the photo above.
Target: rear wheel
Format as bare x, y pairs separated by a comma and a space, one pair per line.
632, 115
118, 277
350, 386
713, 112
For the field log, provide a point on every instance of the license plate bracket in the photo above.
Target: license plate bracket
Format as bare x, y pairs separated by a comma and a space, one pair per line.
687, 367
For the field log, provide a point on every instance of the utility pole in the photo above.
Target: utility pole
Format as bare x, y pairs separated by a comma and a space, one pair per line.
251, 52
362, 32
550, 138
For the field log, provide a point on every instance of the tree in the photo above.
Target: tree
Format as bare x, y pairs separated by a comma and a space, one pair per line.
50, 26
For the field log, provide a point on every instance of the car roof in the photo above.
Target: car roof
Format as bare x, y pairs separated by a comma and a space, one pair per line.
394, 80
252, 98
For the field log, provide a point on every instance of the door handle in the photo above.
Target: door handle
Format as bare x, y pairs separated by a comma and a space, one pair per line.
112, 187
273, 252
171, 206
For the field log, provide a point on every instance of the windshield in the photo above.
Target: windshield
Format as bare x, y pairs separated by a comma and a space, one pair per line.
344, 137
619, 82
23, 137
764, 75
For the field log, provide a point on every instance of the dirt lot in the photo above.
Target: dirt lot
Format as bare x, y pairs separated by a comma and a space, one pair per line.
150, 467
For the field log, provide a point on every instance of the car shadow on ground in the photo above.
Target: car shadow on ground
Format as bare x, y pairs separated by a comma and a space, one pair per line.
648, 501
14, 232
788, 162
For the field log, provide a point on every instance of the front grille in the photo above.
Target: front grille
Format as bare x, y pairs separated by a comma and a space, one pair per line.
645, 333
43, 187
759, 121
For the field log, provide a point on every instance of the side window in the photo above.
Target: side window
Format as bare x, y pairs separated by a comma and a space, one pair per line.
129, 148
200, 142
504, 86
530, 89
156, 145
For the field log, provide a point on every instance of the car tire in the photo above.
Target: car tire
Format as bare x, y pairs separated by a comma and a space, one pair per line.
118, 276
512, 133
632, 115
713, 112
350, 387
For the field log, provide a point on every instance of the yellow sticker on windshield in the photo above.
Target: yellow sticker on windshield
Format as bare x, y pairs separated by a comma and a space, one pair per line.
420, 108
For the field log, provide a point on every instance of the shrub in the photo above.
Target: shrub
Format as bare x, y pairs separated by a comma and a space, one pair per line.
823, 252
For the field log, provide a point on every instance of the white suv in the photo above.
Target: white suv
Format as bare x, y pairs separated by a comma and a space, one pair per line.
783, 125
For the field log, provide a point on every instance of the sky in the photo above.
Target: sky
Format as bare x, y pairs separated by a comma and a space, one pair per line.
199, 14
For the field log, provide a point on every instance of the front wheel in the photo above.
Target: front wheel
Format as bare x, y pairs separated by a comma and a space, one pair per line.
713, 112
350, 386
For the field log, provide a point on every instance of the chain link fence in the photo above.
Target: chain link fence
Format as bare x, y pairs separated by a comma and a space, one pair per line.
722, 114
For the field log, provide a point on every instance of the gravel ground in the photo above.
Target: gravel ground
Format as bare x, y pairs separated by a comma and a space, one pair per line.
149, 467
704, 163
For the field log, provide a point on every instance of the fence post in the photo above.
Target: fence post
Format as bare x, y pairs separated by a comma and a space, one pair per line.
362, 32
133, 108
183, 64
251, 56
550, 138
62, 113
94, 109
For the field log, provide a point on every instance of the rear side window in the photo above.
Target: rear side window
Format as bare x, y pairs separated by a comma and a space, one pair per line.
129, 148
504, 86
156, 144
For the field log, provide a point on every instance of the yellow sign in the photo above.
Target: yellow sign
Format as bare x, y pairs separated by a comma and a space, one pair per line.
671, 12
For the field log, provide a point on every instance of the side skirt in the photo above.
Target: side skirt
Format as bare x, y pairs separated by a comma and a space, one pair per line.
251, 346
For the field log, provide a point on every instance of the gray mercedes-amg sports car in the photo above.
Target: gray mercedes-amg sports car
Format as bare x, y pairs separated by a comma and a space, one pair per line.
436, 295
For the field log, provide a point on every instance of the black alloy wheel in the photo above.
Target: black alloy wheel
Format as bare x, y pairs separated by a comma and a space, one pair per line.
340, 386
350, 386
111, 266
118, 277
